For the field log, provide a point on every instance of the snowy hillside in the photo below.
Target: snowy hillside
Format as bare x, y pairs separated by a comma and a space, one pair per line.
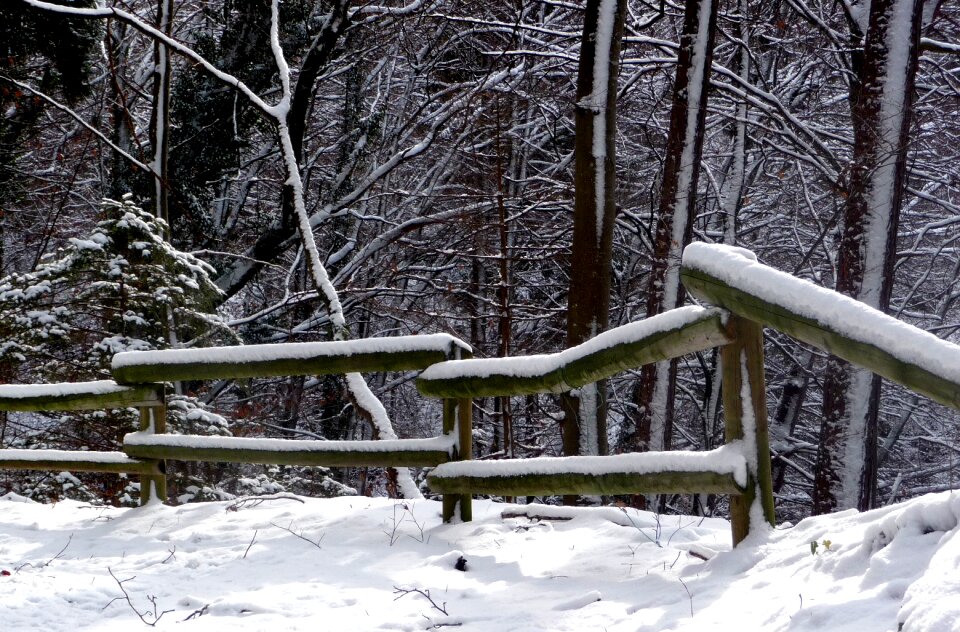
358, 564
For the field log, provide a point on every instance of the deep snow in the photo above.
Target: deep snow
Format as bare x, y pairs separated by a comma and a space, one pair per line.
311, 564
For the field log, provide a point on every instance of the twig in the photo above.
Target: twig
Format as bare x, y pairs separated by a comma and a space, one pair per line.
299, 535
394, 534
48, 562
144, 616
198, 613
640, 529
252, 540
254, 501
403, 592
171, 556
688, 595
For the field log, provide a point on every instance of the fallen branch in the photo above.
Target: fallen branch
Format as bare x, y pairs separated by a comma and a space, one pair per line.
299, 535
48, 562
255, 501
403, 592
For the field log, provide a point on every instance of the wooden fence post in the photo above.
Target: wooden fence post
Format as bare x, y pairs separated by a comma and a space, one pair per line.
745, 416
458, 418
153, 420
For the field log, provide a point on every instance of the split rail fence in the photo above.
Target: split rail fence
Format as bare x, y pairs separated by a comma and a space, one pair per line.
747, 296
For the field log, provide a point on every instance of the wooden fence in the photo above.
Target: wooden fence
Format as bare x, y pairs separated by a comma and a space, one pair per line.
748, 295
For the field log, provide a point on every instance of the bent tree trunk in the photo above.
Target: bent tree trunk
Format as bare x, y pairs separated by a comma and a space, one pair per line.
846, 468
588, 303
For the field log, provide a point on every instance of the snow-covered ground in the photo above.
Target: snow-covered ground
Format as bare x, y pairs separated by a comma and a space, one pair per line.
358, 564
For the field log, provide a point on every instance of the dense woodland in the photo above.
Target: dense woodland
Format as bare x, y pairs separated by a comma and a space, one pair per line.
521, 175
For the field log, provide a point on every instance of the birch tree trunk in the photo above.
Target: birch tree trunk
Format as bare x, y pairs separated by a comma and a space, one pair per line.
160, 116
674, 222
880, 106
594, 213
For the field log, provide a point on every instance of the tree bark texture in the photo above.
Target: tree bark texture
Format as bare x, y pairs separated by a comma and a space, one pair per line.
881, 101
588, 302
674, 221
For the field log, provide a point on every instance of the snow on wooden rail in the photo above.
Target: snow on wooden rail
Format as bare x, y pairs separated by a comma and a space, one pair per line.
77, 461
98, 394
386, 453
720, 471
400, 353
731, 278
668, 335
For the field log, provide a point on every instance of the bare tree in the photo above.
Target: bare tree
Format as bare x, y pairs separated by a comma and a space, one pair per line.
588, 301
674, 220
881, 97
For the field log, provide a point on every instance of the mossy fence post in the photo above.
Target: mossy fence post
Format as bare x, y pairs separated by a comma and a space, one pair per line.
153, 420
458, 421
744, 405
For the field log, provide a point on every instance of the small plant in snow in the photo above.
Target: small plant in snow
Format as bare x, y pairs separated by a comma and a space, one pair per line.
393, 533
150, 616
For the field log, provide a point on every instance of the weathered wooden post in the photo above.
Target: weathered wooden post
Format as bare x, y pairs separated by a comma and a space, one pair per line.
458, 418
745, 416
153, 420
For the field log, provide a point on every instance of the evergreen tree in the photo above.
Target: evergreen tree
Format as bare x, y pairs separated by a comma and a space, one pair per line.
120, 288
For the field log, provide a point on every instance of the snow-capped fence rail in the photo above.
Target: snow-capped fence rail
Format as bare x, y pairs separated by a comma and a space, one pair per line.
750, 296
315, 358
101, 394
741, 468
670, 335
78, 396
403, 353
732, 278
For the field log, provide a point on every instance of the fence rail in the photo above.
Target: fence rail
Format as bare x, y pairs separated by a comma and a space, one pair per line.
670, 335
750, 296
388, 453
98, 395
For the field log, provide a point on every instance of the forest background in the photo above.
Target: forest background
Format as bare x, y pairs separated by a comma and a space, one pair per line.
307, 170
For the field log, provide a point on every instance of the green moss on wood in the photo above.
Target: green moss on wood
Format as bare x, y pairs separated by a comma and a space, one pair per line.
674, 482
702, 334
313, 457
135, 395
872, 357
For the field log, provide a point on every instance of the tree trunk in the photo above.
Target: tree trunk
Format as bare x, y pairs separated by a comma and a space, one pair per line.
588, 302
160, 115
674, 222
847, 455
